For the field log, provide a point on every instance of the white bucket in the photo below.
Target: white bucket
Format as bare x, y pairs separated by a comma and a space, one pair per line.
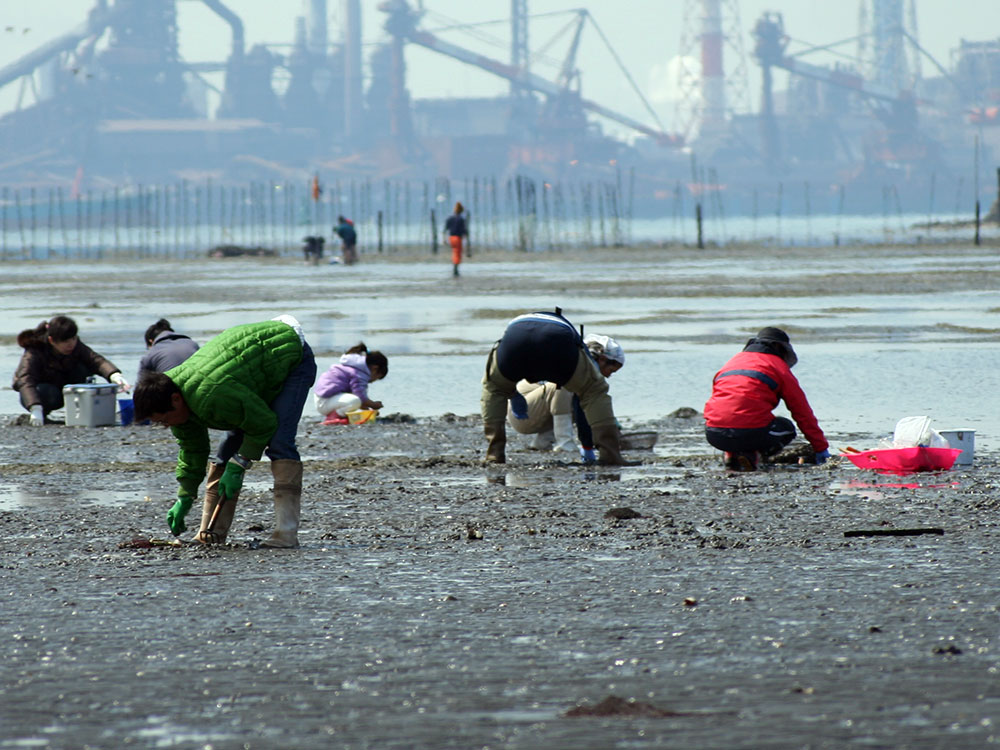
964, 439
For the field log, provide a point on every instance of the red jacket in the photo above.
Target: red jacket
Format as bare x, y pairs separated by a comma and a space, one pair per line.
749, 387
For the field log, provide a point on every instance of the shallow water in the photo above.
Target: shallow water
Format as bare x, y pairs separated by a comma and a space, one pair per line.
881, 333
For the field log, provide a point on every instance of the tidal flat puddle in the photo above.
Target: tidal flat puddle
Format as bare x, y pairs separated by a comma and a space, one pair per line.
13, 497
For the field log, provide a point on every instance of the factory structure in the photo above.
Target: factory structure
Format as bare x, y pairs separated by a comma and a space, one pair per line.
114, 103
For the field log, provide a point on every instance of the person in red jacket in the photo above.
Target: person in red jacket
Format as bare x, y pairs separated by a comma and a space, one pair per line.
738, 416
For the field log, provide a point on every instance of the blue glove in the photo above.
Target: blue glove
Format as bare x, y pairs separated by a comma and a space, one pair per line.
588, 455
822, 456
175, 516
519, 406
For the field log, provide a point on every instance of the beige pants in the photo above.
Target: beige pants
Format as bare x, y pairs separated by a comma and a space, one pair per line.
544, 400
586, 382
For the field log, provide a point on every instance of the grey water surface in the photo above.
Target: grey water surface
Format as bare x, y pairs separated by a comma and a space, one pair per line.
881, 332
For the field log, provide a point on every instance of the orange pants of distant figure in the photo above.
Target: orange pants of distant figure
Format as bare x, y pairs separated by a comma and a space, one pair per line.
456, 249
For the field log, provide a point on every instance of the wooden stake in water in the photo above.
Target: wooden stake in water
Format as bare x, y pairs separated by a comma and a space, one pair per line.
977, 240
997, 217
976, 188
62, 222
20, 222
805, 187
3, 225
100, 223
48, 224
116, 214
34, 223
930, 204
781, 191
697, 218
720, 209
630, 206
79, 224
840, 214
434, 234
600, 216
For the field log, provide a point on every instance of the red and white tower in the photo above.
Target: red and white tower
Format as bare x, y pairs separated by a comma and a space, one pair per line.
708, 96
713, 80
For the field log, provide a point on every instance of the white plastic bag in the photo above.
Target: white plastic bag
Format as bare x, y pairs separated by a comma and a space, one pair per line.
912, 432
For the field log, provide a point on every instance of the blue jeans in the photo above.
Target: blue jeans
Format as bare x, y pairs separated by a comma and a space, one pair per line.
287, 407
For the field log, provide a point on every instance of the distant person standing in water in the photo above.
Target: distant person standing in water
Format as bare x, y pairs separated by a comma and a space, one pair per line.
348, 238
456, 231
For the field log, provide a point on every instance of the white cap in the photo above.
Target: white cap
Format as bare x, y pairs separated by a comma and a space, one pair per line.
605, 346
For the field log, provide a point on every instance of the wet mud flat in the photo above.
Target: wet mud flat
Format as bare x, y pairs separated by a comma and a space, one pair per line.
439, 603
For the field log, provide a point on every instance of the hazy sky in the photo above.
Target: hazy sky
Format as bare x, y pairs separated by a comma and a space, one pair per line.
645, 34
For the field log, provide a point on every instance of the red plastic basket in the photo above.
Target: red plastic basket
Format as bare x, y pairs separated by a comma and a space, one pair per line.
905, 460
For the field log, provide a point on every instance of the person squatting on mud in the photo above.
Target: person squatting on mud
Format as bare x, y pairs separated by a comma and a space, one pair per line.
165, 348
251, 381
544, 346
55, 357
552, 410
344, 387
738, 415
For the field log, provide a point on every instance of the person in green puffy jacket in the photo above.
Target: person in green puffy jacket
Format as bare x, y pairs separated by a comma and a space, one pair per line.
251, 381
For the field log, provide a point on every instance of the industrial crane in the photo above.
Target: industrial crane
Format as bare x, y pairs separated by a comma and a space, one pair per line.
402, 24
896, 109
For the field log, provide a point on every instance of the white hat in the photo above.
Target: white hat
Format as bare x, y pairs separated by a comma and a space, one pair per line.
605, 346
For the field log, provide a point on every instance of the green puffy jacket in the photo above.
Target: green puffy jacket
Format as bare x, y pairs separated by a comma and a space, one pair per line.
227, 385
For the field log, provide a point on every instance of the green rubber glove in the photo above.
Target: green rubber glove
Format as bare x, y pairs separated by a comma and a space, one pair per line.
231, 482
175, 516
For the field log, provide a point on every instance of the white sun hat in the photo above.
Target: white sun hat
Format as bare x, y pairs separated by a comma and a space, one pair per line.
605, 346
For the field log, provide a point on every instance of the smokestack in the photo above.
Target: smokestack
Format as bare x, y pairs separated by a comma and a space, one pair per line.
317, 28
713, 82
890, 59
353, 106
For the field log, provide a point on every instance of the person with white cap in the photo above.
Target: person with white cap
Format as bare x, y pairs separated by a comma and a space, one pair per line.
551, 409
544, 346
738, 416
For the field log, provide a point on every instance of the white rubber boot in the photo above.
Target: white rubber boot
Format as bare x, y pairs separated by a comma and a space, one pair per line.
562, 429
541, 441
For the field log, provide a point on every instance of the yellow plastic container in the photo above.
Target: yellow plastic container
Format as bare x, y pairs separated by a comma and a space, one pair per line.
361, 416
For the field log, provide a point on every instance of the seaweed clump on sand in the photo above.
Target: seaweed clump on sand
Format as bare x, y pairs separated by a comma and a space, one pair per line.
615, 706
236, 251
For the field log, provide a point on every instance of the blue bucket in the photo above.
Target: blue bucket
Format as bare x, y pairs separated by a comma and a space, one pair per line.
126, 411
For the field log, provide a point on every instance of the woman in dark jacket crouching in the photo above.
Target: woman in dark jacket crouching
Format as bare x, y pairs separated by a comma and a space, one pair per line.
55, 357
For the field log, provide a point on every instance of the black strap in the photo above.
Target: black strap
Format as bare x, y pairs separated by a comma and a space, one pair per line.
765, 379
